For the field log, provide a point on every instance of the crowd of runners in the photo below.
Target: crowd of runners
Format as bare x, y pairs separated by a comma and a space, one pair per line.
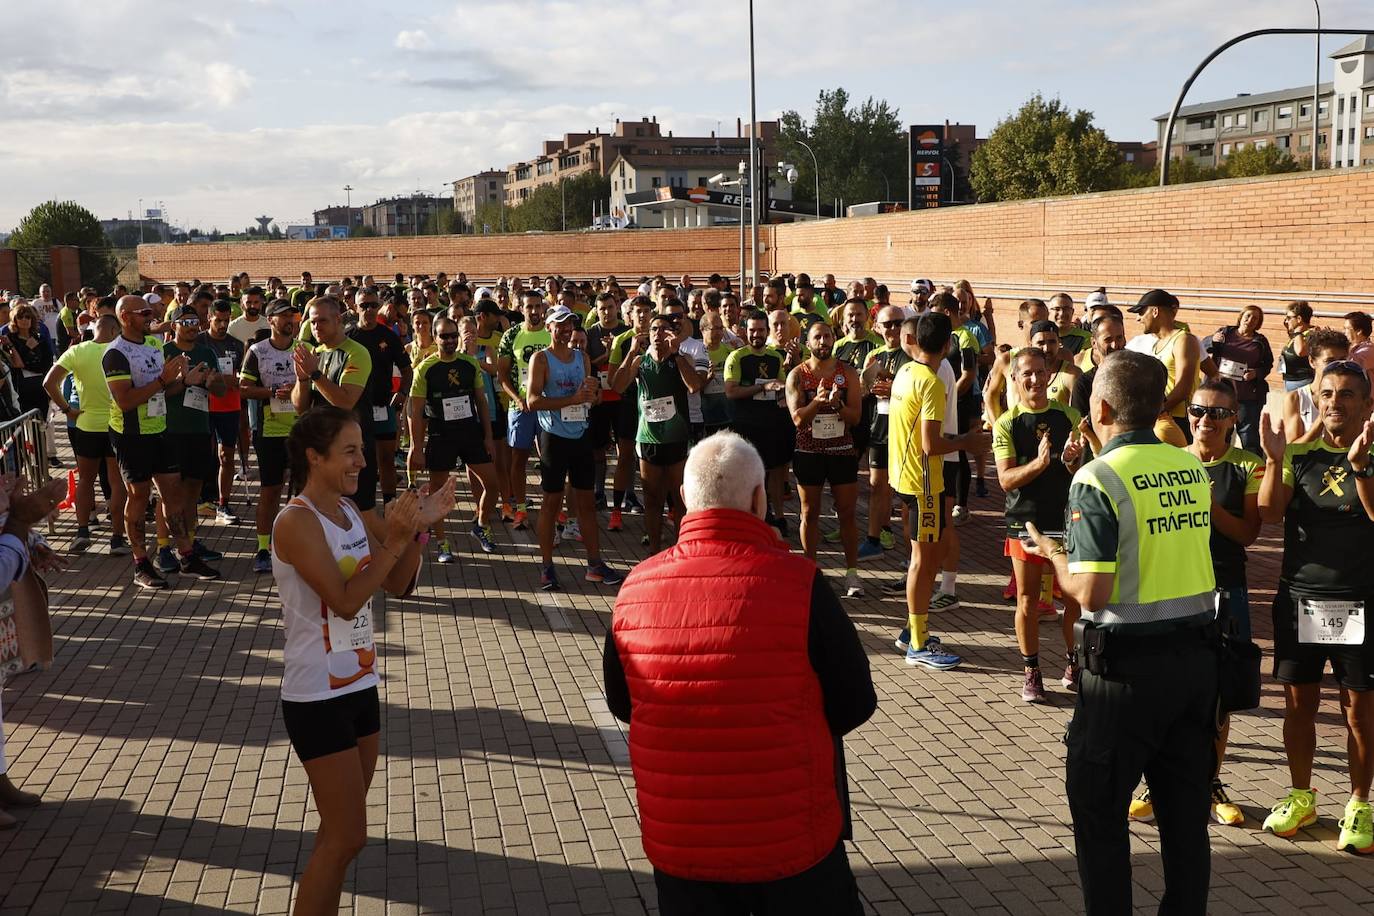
188, 403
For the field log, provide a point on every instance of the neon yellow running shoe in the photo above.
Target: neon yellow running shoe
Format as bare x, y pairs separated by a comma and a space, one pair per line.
1295, 812
1142, 809
1224, 811
1357, 828
886, 539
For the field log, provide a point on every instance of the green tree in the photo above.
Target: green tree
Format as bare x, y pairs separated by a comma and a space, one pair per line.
1044, 150
127, 236
61, 223
492, 215
443, 221
1188, 170
1267, 160
856, 147
543, 210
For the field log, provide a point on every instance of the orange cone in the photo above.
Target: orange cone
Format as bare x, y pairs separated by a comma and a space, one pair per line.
71, 492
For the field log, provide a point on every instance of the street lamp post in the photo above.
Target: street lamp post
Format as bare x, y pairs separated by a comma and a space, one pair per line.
1316, 83
140, 217
815, 164
952, 176
741, 183
753, 157
563, 200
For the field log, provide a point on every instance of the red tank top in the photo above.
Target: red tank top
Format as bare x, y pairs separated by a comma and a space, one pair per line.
826, 433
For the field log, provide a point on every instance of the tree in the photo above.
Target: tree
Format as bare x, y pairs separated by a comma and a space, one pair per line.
855, 147
362, 232
127, 237
61, 223
1265, 160
490, 214
1044, 150
1187, 171
543, 210
443, 221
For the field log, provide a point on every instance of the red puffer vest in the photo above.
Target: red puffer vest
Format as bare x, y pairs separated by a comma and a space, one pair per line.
733, 759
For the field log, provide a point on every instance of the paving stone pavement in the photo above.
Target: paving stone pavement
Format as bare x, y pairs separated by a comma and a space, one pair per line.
169, 786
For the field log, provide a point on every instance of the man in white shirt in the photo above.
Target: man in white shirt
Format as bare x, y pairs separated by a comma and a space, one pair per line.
252, 324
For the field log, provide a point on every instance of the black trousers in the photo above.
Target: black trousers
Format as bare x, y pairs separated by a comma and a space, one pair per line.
826, 887
1153, 715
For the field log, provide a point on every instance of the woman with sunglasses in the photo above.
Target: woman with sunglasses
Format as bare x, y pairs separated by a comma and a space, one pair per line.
31, 354
1235, 476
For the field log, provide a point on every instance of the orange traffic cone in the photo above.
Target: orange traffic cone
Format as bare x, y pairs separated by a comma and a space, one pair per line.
71, 492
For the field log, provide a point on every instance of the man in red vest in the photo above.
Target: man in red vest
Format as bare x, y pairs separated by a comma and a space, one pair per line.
738, 672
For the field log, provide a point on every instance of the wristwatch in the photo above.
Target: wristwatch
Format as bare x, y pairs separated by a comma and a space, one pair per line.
1365, 472
316, 375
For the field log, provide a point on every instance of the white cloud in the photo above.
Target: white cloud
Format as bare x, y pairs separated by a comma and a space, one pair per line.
414, 40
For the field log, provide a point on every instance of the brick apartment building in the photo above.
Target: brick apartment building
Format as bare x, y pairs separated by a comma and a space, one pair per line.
402, 215
339, 215
471, 192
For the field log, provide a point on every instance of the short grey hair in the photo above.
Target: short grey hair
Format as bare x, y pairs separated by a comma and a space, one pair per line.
722, 472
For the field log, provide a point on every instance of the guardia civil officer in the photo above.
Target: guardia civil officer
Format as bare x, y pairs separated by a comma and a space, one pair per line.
1135, 555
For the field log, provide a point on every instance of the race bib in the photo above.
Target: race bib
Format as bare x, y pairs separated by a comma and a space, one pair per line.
282, 405
380, 414
1231, 369
157, 405
574, 413
457, 408
195, 398
884, 406
347, 635
765, 395
1330, 623
226, 365
660, 410
715, 385
827, 426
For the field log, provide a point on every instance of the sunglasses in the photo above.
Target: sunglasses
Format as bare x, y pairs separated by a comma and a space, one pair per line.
897, 323
189, 322
1212, 413
451, 335
146, 313
1343, 365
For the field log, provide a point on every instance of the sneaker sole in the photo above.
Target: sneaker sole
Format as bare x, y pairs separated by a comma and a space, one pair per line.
902, 646
952, 606
548, 586
1042, 698
1358, 850
1217, 819
932, 665
853, 593
1141, 820
1288, 834
151, 586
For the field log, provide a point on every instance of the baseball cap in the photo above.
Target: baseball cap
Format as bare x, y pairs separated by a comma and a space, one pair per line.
484, 292
152, 299
559, 314
489, 307
1154, 298
920, 286
280, 307
1040, 327
1096, 299
186, 311
646, 288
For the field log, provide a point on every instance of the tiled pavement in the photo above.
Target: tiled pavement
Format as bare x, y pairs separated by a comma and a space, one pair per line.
169, 785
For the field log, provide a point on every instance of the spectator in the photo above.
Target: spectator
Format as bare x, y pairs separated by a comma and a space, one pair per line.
1358, 327
1294, 365
1242, 355
727, 828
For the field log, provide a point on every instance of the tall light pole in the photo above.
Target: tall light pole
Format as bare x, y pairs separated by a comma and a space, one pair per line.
742, 182
815, 164
1316, 84
753, 156
563, 200
140, 216
348, 190
952, 176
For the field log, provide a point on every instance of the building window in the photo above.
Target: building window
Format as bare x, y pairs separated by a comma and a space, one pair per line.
1227, 122
491, 186
703, 181
1323, 108
1130, 157
1261, 118
1285, 112
622, 170
1261, 144
1304, 111
1207, 123
1242, 119
1240, 146
1321, 139
658, 182
545, 167
1340, 106
1284, 142
1351, 137
1226, 149
1369, 101
1340, 137
1369, 133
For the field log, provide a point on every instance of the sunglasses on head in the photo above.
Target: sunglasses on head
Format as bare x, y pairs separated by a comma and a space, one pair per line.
450, 335
1213, 413
1343, 365
144, 312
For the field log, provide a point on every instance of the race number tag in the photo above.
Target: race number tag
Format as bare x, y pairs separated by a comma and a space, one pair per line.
157, 405
827, 426
1231, 369
457, 408
1330, 623
380, 414
765, 395
226, 365
347, 635
715, 385
574, 413
660, 410
884, 406
195, 398
282, 405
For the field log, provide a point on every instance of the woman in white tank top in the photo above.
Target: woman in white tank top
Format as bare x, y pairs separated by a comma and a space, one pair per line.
328, 560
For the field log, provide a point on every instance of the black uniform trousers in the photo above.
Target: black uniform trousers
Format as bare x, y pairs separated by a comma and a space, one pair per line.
1154, 713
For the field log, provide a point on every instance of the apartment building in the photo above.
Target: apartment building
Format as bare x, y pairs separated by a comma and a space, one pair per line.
471, 192
339, 215
402, 215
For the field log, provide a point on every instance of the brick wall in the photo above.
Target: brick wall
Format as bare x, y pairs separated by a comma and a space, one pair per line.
1219, 245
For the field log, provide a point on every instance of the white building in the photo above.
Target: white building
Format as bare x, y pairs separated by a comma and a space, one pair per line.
1353, 86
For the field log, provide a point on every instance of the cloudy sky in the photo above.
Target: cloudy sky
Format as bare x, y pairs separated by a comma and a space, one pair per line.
236, 108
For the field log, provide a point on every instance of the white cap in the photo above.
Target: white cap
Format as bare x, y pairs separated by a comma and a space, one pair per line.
484, 292
559, 314
1095, 299
645, 289
152, 298
926, 286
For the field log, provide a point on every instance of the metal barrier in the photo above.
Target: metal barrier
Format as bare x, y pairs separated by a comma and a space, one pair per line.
24, 447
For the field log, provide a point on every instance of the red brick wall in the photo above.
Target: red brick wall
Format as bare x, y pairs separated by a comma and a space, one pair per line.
9, 269
66, 269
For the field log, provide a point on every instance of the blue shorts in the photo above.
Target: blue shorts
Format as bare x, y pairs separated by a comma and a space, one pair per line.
225, 427
521, 428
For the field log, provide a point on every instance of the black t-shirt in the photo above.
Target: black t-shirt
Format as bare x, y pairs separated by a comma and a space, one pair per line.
892, 359
387, 352
1326, 530
599, 339
1017, 435
1232, 476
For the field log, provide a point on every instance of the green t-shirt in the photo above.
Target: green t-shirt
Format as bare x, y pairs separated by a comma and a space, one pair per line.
83, 361
663, 417
349, 363
185, 418
519, 345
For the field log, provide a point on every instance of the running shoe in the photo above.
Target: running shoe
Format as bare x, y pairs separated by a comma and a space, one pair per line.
895, 586
600, 572
903, 640
632, 504
1357, 828
119, 547
831, 537
942, 601
852, 588
886, 539
1293, 813
1141, 808
1224, 812
82, 542
445, 553
55, 462
506, 514
1071, 675
483, 538
932, 655
262, 561
196, 566
617, 521
557, 535
1009, 591
868, 550
205, 510
1047, 610
520, 519
167, 561
600, 501
209, 555
573, 532
562, 518
145, 576
1033, 687
225, 515
548, 579
959, 515
980, 487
